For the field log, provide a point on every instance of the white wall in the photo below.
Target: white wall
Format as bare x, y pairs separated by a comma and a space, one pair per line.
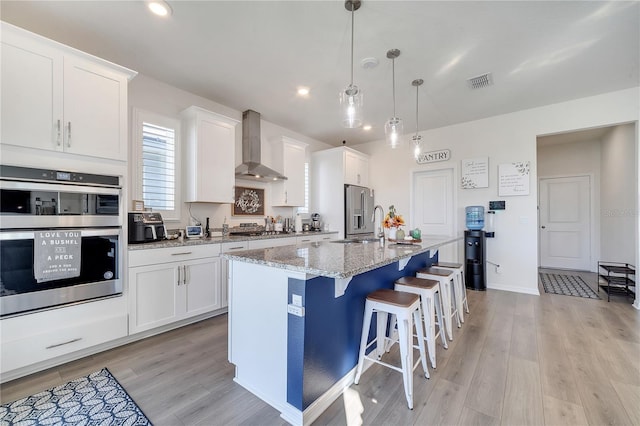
504, 139
619, 188
577, 159
155, 96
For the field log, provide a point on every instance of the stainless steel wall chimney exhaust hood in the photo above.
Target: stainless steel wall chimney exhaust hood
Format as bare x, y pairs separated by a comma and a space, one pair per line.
251, 167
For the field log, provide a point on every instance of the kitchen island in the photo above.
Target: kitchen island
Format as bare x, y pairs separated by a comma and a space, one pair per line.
296, 312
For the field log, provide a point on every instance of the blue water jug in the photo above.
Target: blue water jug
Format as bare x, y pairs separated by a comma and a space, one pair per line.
475, 217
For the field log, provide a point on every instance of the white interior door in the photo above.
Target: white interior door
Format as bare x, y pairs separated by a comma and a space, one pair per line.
565, 222
432, 209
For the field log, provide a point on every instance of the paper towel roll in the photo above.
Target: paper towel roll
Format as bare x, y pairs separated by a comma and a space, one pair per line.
298, 224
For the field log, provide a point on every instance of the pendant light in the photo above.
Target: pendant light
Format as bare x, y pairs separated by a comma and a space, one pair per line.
351, 97
417, 139
393, 127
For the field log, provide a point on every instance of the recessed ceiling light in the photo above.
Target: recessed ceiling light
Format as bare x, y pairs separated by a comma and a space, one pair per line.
159, 7
303, 91
366, 127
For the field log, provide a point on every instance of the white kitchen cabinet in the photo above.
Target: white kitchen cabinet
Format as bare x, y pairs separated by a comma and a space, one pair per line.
209, 156
170, 284
61, 99
356, 168
331, 169
289, 157
44, 336
224, 268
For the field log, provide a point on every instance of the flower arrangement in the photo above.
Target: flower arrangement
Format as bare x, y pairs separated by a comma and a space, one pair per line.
393, 219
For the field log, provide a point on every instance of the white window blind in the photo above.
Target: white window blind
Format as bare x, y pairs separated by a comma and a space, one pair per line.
158, 167
305, 209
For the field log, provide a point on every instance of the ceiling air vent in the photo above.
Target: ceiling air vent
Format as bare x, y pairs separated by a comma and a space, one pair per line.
480, 81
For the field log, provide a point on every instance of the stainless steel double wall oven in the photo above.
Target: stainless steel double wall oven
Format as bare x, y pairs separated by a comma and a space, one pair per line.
60, 238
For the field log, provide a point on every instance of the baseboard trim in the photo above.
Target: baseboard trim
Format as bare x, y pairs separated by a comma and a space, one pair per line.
514, 289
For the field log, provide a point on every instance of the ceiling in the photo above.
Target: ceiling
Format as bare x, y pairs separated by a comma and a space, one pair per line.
254, 54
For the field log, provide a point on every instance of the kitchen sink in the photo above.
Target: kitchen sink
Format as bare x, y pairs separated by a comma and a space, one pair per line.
356, 241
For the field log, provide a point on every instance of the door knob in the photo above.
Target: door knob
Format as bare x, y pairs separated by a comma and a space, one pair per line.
543, 227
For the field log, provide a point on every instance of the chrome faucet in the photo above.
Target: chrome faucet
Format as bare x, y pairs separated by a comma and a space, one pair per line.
373, 219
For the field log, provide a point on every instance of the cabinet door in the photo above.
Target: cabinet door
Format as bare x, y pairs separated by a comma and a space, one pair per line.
153, 296
224, 269
31, 95
201, 286
95, 114
356, 170
291, 191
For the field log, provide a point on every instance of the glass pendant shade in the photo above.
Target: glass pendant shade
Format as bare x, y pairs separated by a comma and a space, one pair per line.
417, 145
393, 129
351, 107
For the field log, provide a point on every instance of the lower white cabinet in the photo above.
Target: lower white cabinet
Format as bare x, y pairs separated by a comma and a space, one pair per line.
228, 248
42, 336
171, 284
271, 242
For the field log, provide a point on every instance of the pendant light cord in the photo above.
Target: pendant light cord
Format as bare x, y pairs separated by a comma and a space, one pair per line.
393, 73
352, 20
417, 88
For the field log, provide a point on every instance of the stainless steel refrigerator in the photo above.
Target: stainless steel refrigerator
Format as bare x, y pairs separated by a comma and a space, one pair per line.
358, 211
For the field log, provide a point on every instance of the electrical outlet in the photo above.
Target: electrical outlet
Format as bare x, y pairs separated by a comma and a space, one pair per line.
295, 310
498, 269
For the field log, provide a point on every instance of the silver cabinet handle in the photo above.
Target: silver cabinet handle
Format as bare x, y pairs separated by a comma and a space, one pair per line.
181, 253
304, 241
68, 134
179, 275
77, 339
236, 248
285, 197
184, 277
58, 140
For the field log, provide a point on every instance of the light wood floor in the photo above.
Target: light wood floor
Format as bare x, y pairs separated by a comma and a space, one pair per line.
517, 360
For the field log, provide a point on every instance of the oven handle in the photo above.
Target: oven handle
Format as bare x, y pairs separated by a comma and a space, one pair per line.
58, 187
84, 232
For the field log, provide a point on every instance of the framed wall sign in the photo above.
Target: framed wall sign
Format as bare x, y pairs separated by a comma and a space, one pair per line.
249, 202
513, 178
475, 173
433, 156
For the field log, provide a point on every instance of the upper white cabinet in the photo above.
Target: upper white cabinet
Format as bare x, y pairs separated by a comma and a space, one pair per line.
356, 168
289, 156
331, 169
209, 156
59, 99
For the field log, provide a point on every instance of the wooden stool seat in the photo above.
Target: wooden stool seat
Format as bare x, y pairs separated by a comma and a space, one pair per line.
447, 265
392, 297
407, 309
418, 282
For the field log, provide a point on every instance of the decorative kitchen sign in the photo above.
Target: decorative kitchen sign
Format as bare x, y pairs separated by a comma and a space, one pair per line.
513, 178
249, 202
433, 156
56, 254
475, 173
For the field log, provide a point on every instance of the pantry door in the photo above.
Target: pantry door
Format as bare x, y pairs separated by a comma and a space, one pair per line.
432, 207
565, 222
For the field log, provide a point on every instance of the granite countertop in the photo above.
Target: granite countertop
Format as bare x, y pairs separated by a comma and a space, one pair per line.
337, 260
218, 240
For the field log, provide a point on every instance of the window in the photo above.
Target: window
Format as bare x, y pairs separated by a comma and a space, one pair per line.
155, 167
158, 167
305, 209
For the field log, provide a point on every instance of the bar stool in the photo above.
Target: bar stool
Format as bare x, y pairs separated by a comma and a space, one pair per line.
449, 297
457, 267
429, 291
404, 306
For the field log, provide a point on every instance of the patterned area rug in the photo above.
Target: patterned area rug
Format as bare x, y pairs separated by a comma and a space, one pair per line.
97, 399
568, 285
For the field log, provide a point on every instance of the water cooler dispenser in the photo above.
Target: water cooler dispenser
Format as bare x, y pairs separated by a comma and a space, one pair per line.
474, 249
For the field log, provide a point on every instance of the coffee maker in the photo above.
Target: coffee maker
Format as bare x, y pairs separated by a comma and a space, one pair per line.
315, 222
